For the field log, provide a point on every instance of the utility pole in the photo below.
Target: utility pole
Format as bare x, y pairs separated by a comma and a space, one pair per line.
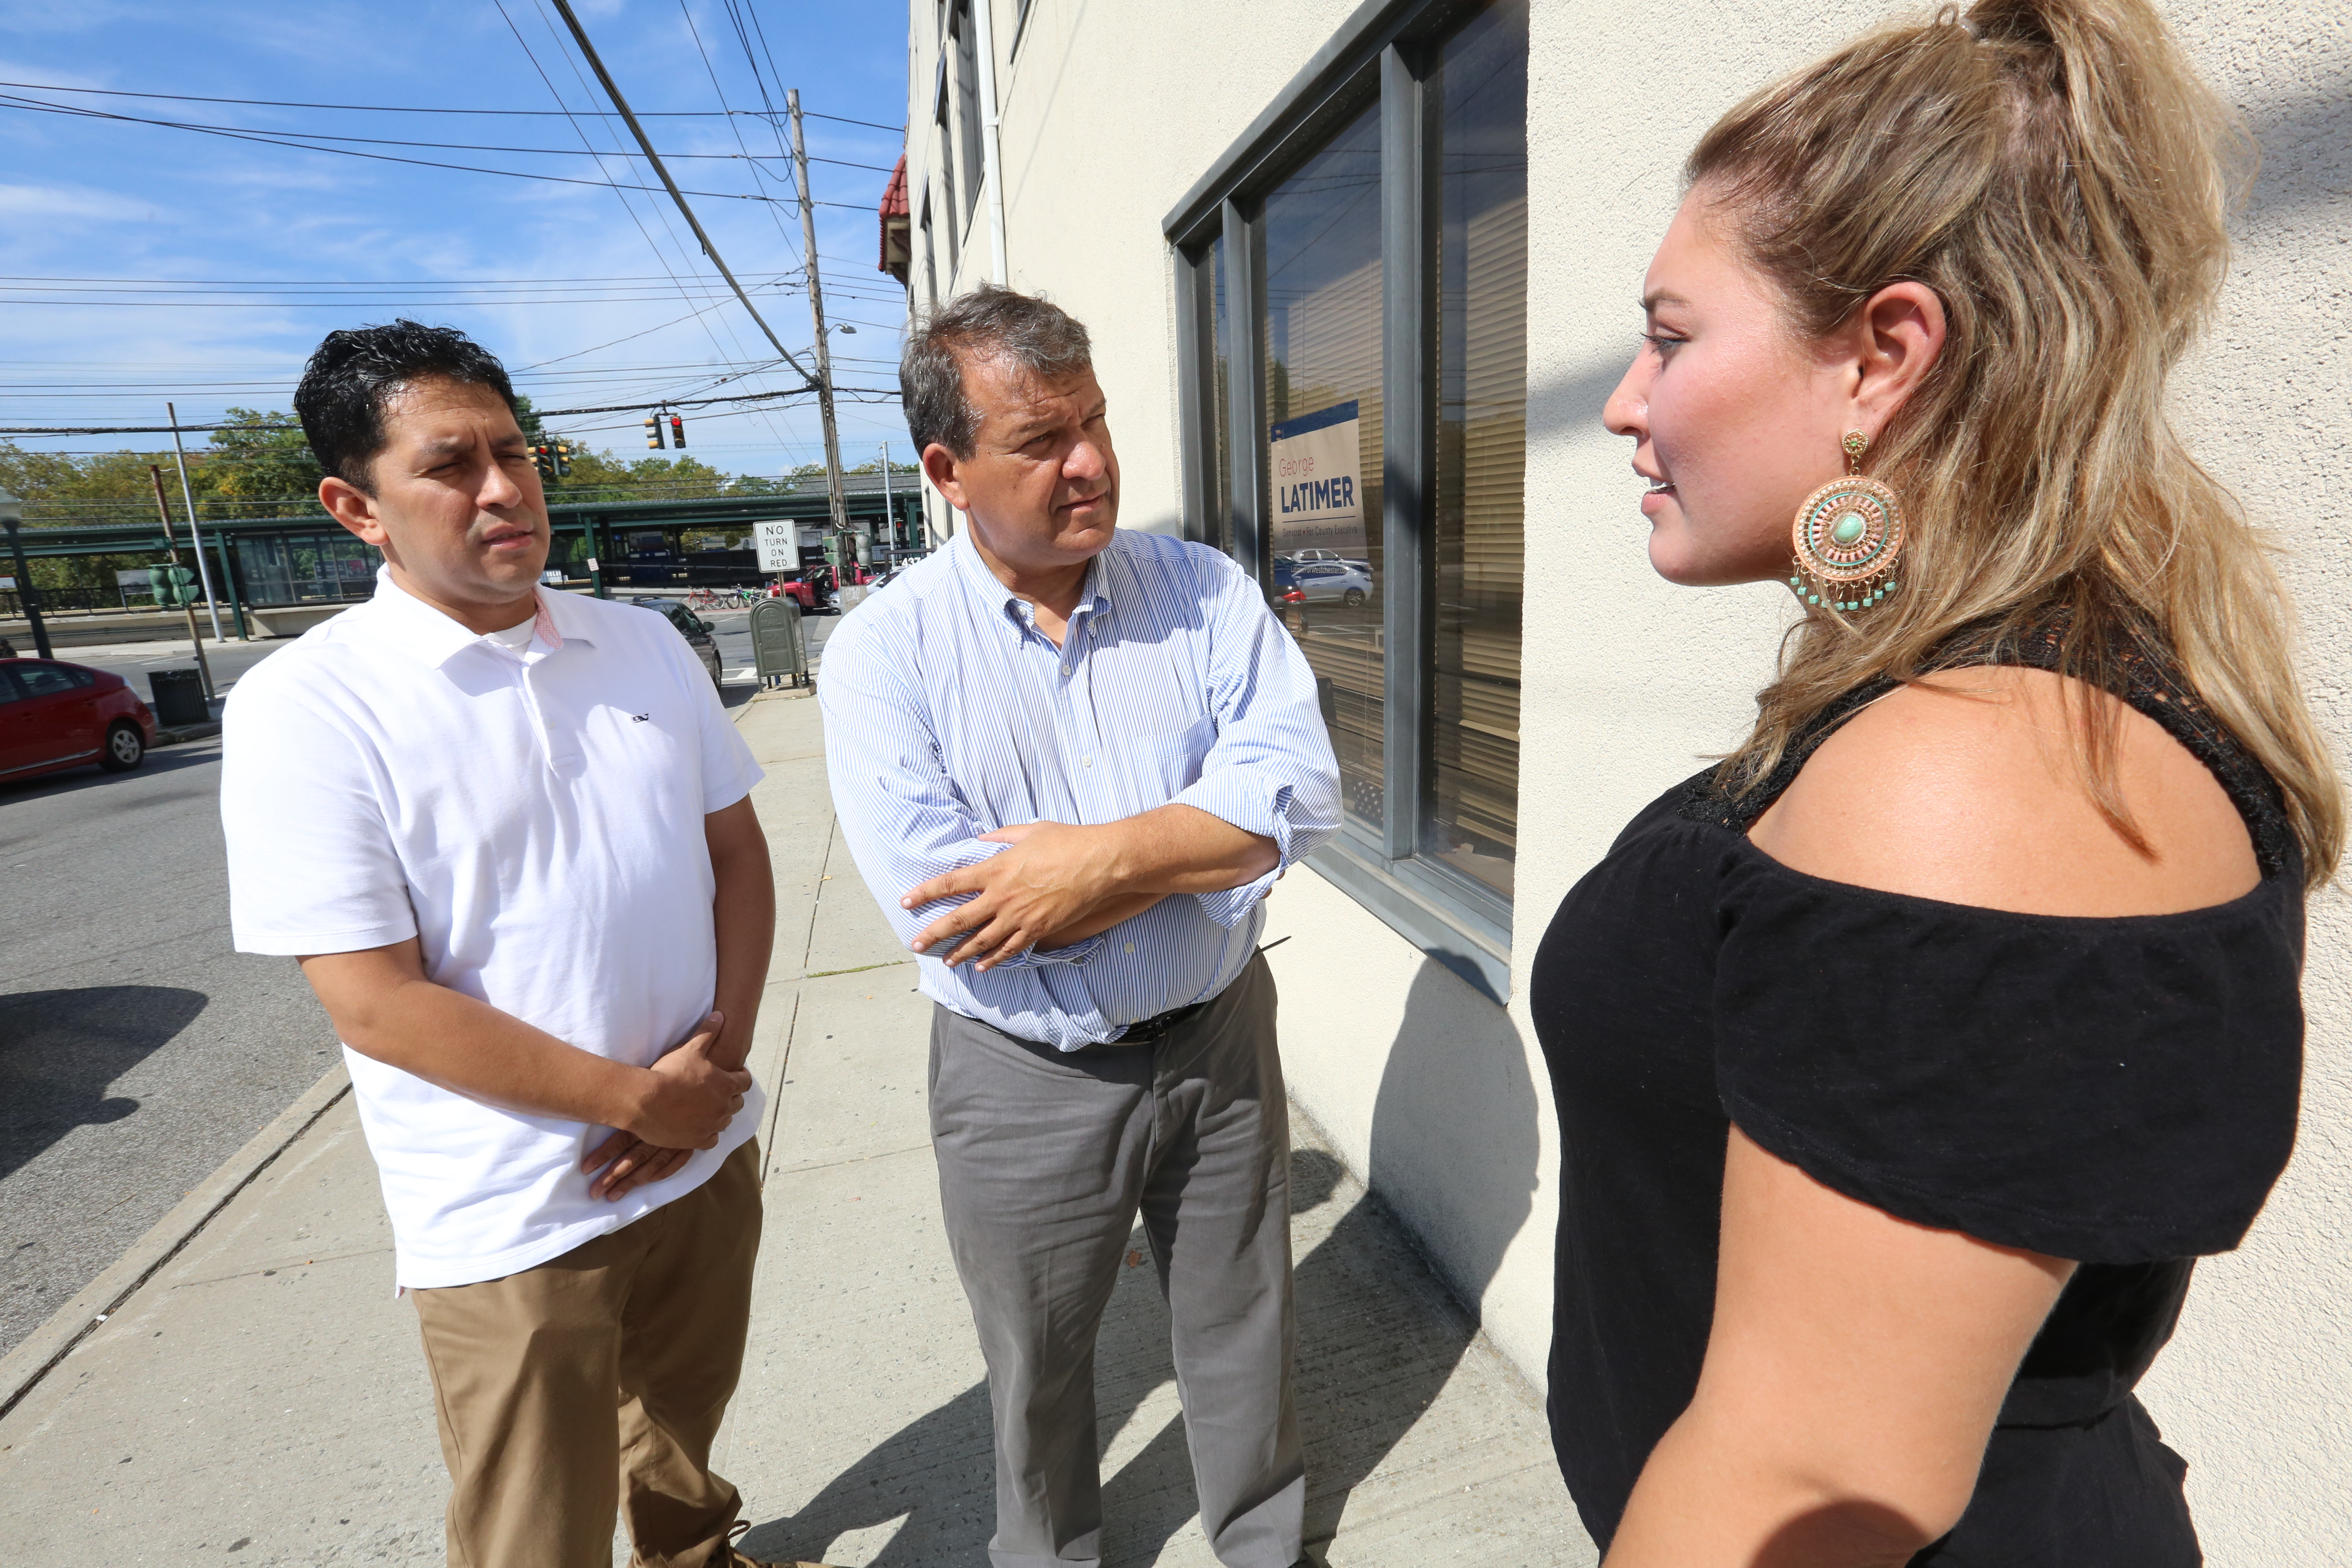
172, 548
816, 314
889, 512
195, 537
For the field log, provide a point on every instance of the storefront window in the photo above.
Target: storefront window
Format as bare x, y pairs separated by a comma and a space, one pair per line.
1348, 276
1321, 304
1471, 817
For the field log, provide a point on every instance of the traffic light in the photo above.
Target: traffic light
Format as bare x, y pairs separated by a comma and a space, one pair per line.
678, 432
563, 459
542, 458
653, 433
173, 585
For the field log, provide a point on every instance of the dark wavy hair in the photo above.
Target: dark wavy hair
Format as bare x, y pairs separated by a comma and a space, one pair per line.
354, 372
991, 322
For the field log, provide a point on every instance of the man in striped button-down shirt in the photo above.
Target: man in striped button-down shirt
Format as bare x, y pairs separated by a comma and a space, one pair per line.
1070, 762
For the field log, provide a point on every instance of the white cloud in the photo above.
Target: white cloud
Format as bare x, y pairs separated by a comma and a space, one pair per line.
49, 75
21, 202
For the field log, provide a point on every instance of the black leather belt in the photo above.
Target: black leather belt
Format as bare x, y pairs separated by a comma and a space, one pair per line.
1151, 1031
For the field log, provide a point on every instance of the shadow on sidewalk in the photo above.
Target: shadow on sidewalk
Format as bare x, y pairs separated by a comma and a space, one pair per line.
1380, 1333
60, 1050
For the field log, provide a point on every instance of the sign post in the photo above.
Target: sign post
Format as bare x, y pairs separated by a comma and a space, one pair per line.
172, 549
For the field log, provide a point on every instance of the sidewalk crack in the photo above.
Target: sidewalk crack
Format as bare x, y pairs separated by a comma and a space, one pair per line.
850, 1160
860, 969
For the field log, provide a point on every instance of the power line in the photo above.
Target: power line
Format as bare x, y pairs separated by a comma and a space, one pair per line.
348, 283
637, 131
395, 108
892, 394
700, 317
396, 141
845, 119
580, 36
8, 100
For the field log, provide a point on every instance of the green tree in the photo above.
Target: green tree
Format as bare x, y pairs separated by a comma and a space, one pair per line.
257, 471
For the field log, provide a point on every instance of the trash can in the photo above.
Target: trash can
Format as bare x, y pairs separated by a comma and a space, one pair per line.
179, 698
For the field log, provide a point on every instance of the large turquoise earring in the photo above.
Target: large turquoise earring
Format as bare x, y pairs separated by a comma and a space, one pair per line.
1848, 534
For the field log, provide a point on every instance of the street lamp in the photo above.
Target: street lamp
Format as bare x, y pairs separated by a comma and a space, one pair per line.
12, 512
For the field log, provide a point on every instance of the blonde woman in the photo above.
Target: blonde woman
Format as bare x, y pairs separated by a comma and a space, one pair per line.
1906, 1061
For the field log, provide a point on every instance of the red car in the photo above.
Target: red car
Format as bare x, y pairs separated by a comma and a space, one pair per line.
54, 715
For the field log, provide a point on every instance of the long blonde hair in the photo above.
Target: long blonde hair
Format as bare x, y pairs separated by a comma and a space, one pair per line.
2058, 173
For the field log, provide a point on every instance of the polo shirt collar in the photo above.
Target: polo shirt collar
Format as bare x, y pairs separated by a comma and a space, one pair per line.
566, 617
406, 622
1094, 595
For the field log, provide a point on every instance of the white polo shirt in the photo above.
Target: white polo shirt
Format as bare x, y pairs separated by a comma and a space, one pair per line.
536, 819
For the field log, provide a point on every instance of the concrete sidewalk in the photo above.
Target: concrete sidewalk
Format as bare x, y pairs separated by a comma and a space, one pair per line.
262, 1395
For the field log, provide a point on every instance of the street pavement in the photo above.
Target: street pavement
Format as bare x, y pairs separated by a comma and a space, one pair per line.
263, 1393
137, 1050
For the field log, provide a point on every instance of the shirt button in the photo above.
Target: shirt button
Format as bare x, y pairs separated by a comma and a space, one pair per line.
1088, 761
1130, 947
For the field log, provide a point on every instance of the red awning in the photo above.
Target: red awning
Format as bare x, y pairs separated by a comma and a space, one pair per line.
897, 219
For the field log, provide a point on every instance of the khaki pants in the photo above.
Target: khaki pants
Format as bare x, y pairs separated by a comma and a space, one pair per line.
597, 1381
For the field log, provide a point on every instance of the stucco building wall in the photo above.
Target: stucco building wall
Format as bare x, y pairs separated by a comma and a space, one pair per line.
1113, 109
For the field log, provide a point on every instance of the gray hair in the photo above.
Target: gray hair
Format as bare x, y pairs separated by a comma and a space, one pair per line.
989, 324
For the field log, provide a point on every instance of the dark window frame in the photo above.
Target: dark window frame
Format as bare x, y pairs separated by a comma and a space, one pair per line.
1385, 53
963, 40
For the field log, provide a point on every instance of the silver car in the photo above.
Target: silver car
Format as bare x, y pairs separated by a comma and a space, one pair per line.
1324, 582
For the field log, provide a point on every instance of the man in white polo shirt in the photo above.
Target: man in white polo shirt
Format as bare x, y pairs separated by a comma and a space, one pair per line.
507, 833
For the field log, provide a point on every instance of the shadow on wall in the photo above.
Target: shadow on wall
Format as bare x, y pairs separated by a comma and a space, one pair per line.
2307, 142
1380, 1334
1455, 1136
60, 1050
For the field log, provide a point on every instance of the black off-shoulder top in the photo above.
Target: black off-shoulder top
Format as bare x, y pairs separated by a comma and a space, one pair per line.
2119, 1091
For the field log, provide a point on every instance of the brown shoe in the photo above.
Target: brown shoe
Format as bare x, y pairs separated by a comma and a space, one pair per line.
730, 1558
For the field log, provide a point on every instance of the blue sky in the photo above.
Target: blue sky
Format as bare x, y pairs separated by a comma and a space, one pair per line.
189, 217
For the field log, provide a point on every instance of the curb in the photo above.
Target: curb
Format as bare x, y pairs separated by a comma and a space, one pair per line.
23, 1368
164, 737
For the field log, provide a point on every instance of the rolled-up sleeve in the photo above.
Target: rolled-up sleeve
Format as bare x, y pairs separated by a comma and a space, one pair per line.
902, 816
1271, 770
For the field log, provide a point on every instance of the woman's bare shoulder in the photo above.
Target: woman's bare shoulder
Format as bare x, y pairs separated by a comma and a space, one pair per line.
1964, 788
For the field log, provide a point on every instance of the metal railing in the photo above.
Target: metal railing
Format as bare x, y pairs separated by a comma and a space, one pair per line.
72, 601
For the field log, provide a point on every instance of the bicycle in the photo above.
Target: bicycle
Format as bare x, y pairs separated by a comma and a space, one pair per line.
705, 599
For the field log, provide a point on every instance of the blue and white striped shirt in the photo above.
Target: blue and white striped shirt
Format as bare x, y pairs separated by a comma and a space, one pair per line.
948, 714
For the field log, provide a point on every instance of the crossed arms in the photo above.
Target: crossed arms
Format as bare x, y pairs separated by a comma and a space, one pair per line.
1058, 885
384, 1007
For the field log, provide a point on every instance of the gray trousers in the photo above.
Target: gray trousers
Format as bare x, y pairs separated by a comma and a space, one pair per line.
1045, 1158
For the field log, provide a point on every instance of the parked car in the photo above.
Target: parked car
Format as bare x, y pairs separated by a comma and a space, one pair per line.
691, 626
1324, 582
57, 715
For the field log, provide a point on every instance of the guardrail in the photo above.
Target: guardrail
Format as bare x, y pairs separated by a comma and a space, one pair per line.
68, 601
